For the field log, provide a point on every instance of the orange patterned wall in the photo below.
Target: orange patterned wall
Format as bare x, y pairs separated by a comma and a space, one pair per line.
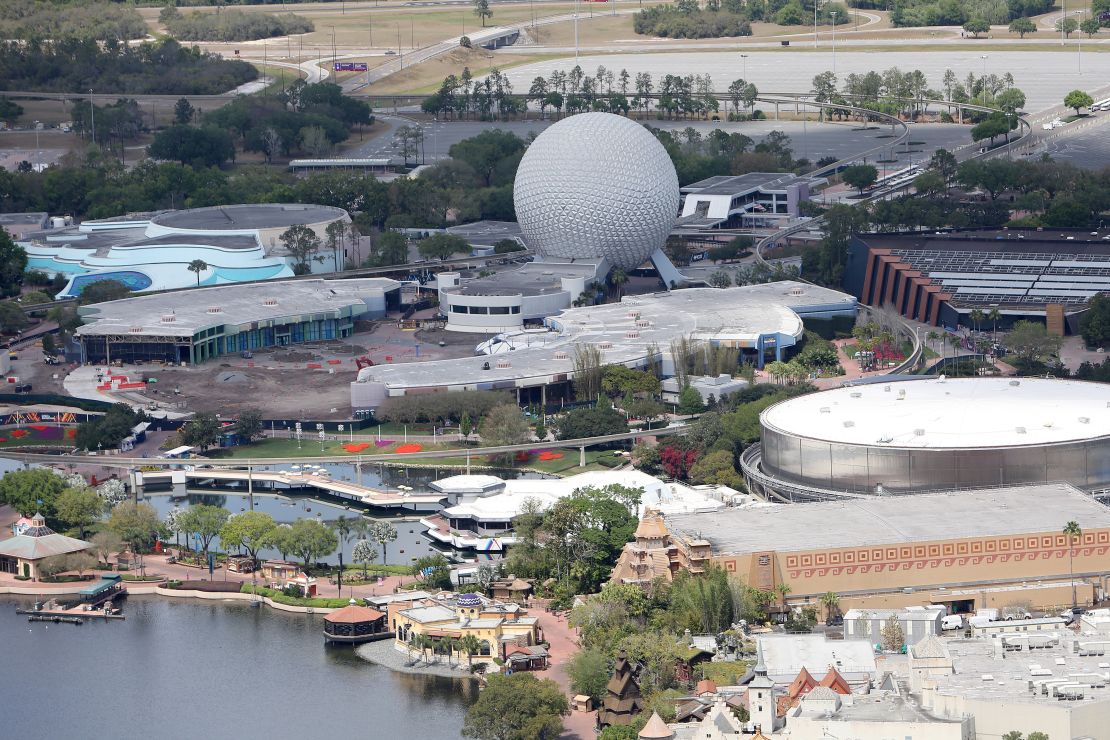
927, 563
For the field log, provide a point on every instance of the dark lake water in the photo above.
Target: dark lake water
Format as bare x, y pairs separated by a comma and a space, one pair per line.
194, 669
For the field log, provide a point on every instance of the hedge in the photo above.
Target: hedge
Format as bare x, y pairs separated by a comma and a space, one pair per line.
280, 598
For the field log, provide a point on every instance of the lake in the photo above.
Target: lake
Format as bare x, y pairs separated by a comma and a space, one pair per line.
187, 668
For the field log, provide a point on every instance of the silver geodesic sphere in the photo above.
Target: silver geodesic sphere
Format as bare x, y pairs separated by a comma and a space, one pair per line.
596, 185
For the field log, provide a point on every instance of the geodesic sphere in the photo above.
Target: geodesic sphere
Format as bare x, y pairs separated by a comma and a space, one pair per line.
596, 185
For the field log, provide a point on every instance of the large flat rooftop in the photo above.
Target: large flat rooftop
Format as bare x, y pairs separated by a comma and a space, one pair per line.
251, 216
983, 673
183, 313
626, 332
949, 413
883, 520
751, 181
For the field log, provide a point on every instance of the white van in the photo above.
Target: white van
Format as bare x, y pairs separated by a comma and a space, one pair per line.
952, 622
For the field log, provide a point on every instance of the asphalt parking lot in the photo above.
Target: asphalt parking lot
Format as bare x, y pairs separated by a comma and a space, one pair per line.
808, 139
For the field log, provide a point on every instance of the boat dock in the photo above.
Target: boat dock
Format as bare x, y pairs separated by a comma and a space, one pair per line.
93, 602
282, 481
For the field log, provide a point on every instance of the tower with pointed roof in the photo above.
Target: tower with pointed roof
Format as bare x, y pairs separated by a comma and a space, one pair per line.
761, 696
622, 695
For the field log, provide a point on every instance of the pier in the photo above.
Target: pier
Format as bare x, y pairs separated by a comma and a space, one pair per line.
281, 481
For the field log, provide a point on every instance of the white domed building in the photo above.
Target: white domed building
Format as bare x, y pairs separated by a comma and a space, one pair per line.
595, 186
593, 193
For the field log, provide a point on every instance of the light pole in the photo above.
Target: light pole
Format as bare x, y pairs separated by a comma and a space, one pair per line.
984, 58
576, 5
832, 13
745, 58
816, 38
92, 117
332, 48
1063, 17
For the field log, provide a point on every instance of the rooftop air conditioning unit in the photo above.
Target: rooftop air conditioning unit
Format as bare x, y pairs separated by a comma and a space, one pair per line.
502, 364
135, 330
632, 335
856, 394
269, 301
561, 355
796, 291
215, 309
169, 318
643, 324
825, 410
605, 345
633, 314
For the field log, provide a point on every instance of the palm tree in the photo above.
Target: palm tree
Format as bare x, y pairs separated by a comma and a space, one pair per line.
993, 316
976, 317
343, 527
384, 533
831, 600
618, 278
469, 644
198, 266
1073, 533
783, 589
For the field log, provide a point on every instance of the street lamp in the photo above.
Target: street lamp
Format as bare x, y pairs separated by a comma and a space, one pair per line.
832, 13
745, 58
816, 38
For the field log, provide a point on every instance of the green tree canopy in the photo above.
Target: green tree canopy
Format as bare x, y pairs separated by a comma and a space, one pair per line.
1077, 98
591, 422
860, 176
135, 524
100, 291
310, 539
204, 522
504, 425
79, 507
33, 491
1022, 26
442, 246
249, 530
517, 707
13, 261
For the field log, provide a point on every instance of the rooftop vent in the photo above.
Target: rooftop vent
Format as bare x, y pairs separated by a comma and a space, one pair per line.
919, 432
215, 309
1048, 425
643, 324
886, 389
856, 394
1015, 383
269, 301
1020, 430
605, 345
1084, 420
885, 439
849, 424
561, 355
632, 334
633, 314
169, 318
502, 364
796, 291
825, 410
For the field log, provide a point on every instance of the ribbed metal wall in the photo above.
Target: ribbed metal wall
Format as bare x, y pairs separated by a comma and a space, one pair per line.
861, 468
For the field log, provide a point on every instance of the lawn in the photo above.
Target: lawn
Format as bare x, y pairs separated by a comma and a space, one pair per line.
312, 447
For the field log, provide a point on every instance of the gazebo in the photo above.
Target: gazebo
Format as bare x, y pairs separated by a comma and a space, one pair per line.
22, 553
353, 624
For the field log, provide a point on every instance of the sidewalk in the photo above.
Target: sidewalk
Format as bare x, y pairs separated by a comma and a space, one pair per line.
564, 645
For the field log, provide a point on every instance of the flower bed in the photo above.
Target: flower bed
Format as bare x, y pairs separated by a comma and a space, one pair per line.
354, 447
409, 448
383, 443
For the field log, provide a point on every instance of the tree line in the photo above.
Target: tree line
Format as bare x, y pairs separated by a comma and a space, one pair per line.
32, 19
956, 12
687, 19
574, 91
76, 65
231, 25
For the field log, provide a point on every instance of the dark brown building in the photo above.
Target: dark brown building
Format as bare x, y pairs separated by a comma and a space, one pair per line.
622, 695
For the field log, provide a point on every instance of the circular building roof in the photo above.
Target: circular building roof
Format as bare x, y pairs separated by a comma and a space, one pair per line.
596, 185
247, 217
469, 600
949, 413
